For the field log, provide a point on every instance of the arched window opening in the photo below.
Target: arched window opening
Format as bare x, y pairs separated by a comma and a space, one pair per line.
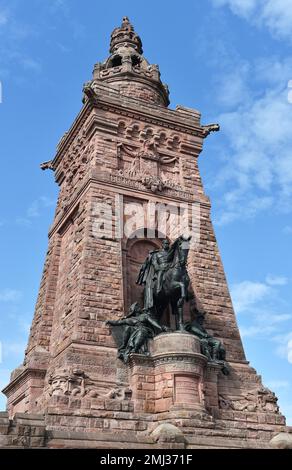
116, 61
135, 60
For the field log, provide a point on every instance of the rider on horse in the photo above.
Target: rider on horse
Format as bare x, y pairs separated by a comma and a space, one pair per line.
165, 279
153, 270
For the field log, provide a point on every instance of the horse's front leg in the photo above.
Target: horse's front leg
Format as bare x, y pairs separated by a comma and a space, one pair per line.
183, 290
174, 311
180, 321
180, 306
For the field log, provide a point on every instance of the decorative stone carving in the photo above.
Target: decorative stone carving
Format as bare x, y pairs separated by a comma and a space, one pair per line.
267, 400
23, 438
75, 382
166, 432
73, 168
122, 180
210, 128
261, 399
68, 382
47, 165
283, 440
145, 166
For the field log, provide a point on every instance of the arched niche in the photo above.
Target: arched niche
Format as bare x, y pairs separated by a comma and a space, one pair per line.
135, 252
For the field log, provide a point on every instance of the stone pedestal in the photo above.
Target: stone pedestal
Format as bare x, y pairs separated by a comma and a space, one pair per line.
172, 377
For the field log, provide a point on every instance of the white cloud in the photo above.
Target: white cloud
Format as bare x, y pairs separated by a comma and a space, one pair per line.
272, 318
256, 331
232, 87
287, 230
272, 70
284, 348
22, 221
29, 63
4, 377
239, 7
256, 171
276, 15
247, 293
278, 384
289, 352
264, 323
260, 302
57, 5
9, 295
13, 35
13, 349
276, 280
35, 210
3, 18
42, 202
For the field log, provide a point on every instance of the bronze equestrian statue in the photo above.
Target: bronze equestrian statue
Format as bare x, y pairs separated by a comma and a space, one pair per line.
165, 279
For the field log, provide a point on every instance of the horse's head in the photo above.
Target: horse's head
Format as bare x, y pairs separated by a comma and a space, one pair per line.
182, 250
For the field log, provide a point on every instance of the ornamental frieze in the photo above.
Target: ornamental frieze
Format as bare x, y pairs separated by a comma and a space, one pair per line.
76, 383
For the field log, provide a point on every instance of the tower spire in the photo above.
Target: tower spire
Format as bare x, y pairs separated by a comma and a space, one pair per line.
127, 70
126, 36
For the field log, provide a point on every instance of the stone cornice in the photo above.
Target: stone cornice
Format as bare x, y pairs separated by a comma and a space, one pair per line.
182, 119
69, 136
22, 378
186, 358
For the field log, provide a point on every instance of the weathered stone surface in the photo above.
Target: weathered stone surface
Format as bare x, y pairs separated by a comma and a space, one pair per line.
283, 440
127, 148
167, 433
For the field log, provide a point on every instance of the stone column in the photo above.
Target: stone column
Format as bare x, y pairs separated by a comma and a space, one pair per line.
172, 377
179, 371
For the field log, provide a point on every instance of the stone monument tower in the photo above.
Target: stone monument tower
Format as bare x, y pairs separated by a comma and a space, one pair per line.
128, 176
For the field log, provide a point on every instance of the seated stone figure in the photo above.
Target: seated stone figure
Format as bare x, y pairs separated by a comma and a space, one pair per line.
211, 347
137, 328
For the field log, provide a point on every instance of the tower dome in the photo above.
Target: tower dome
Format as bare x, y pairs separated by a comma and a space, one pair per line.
127, 70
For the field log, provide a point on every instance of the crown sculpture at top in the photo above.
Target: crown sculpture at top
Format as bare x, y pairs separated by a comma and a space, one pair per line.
126, 61
165, 279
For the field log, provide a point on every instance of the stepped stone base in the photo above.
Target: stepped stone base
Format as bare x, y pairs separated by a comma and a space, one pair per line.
172, 398
190, 431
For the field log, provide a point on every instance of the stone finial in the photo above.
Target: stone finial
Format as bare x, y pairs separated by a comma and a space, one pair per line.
128, 71
125, 35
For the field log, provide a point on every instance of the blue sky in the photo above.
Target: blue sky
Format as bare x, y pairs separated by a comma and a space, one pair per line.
231, 59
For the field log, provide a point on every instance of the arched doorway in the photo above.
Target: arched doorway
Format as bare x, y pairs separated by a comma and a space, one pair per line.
134, 255
135, 251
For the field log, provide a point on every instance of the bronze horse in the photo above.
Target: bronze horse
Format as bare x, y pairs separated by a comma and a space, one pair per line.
175, 283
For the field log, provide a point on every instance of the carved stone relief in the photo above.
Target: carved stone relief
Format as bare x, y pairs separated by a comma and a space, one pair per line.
145, 166
75, 382
261, 399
